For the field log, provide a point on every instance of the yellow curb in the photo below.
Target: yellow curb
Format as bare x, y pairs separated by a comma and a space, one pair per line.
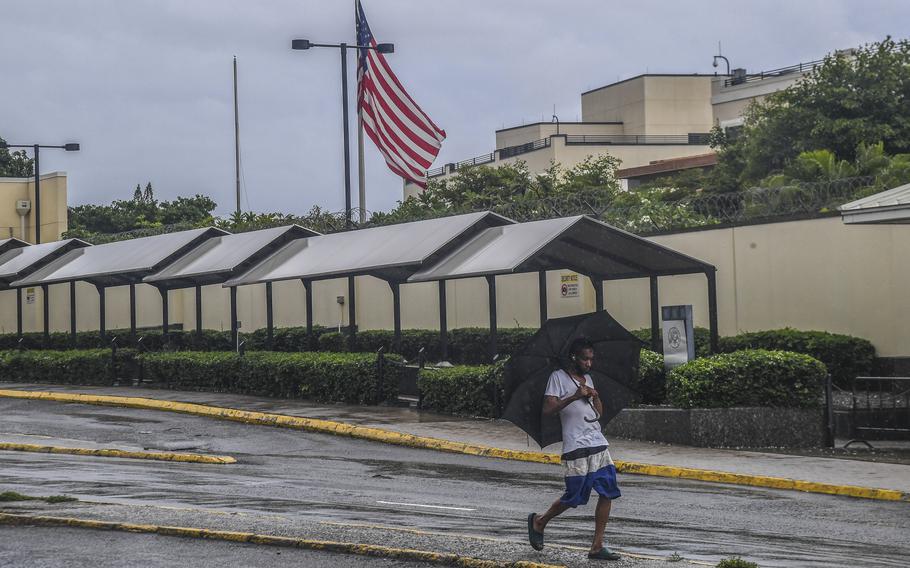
410, 440
268, 540
114, 453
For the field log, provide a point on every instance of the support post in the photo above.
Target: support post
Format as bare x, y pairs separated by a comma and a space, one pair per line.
164, 313
19, 312
542, 291
132, 310
598, 293
101, 312
46, 305
269, 315
352, 305
443, 322
396, 314
234, 328
198, 310
655, 316
73, 311
491, 289
308, 288
712, 308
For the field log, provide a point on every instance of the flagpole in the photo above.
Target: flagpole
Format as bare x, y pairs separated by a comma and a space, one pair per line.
236, 138
361, 173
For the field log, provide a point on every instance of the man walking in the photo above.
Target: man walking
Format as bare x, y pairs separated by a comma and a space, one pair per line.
586, 458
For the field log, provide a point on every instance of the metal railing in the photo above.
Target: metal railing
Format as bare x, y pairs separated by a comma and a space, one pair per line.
512, 151
482, 159
881, 408
436, 172
791, 69
696, 138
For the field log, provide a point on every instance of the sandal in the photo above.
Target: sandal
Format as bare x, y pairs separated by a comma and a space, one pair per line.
534, 537
603, 554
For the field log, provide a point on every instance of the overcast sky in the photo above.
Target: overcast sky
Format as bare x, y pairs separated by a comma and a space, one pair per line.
145, 86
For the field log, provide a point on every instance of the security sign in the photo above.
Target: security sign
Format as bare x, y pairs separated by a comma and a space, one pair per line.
568, 287
29, 295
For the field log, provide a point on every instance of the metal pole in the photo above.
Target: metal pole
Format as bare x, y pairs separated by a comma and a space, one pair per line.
598, 293
347, 143
712, 308
361, 172
164, 312
45, 300
443, 322
234, 328
396, 314
37, 198
491, 289
655, 315
198, 310
73, 310
542, 291
308, 288
269, 315
19, 312
236, 138
132, 310
101, 311
352, 308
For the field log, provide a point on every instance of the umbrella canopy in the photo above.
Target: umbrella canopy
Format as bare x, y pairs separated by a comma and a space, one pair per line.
616, 355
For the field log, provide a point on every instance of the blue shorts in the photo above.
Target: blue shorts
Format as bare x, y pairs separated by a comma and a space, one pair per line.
587, 469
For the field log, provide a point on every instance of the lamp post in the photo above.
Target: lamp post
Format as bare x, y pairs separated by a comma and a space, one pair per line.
727, 61
71, 147
303, 44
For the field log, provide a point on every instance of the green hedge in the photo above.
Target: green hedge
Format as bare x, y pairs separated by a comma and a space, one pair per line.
338, 377
845, 356
748, 378
76, 366
466, 390
652, 377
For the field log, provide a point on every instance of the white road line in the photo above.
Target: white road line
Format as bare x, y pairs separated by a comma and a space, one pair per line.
426, 506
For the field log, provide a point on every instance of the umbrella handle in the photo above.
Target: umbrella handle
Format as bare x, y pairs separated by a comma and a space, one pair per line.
596, 415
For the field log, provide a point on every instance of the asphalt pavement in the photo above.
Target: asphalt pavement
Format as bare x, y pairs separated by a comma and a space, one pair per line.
47, 547
334, 488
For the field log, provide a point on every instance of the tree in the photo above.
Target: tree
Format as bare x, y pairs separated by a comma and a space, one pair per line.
852, 98
15, 164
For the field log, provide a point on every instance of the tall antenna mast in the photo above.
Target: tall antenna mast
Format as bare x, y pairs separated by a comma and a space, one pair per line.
236, 138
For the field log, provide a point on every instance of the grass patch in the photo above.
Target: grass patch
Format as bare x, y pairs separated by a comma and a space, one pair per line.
8, 496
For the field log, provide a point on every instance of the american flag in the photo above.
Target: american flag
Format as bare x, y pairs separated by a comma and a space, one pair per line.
408, 139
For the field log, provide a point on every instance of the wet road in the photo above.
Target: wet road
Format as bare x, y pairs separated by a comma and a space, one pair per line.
45, 547
303, 477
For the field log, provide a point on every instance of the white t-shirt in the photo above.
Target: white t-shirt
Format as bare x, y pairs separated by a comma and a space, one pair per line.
576, 433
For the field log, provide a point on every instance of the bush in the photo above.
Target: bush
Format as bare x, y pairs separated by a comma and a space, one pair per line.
83, 366
652, 378
337, 377
845, 356
747, 378
466, 390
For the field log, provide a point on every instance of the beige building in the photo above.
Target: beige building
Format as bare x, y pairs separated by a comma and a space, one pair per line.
642, 121
17, 207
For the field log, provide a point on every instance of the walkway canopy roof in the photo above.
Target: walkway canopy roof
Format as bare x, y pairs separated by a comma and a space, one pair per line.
392, 252
222, 257
580, 243
887, 207
19, 262
119, 263
12, 243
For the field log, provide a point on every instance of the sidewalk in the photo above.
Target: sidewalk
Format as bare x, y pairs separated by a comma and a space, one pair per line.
501, 434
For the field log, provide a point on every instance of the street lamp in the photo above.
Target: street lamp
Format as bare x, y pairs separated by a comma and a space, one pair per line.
303, 44
727, 61
71, 147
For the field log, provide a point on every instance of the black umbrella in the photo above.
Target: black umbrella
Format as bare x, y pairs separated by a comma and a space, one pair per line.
616, 354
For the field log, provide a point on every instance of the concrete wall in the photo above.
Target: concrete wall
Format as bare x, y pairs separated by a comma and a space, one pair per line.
532, 132
53, 207
815, 274
653, 104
